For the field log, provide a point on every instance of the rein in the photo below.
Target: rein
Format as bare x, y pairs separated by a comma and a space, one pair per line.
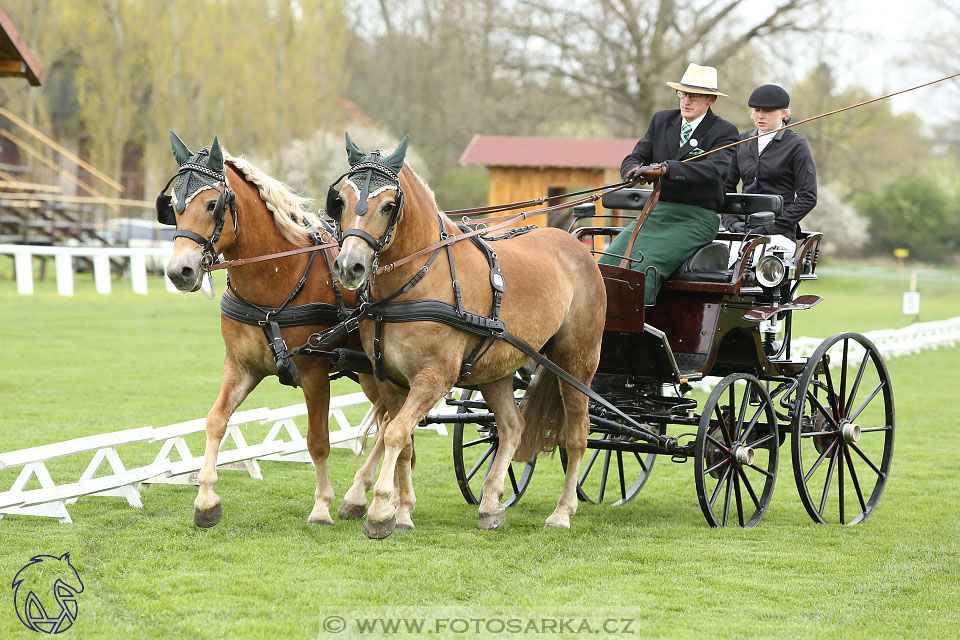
506, 222
271, 256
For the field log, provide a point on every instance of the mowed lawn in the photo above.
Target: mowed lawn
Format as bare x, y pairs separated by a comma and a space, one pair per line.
91, 364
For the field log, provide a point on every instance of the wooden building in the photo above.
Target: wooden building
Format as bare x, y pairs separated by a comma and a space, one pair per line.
15, 58
523, 167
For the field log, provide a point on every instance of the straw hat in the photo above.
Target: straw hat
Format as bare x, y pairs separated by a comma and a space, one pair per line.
697, 79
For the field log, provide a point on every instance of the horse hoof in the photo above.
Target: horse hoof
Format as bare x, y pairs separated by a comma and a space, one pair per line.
209, 518
379, 530
556, 525
320, 522
349, 511
404, 526
491, 521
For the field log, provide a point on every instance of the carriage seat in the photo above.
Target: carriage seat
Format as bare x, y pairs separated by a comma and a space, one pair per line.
708, 264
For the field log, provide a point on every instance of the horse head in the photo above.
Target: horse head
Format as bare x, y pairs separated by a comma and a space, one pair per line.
44, 581
198, 206
367, 209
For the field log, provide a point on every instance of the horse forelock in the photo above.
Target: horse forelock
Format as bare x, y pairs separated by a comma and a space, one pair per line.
290, 211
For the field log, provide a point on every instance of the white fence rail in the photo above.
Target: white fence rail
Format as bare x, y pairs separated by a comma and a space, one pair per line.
23, 255
174, 462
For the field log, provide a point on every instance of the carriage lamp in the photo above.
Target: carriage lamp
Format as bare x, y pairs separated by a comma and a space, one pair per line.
771, 271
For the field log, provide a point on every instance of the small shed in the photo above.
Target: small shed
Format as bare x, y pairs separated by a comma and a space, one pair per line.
15, 58
527, 167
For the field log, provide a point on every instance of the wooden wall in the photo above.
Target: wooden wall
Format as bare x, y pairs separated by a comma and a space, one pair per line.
514, 184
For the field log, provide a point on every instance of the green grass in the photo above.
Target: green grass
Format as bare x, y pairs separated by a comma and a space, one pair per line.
73, 367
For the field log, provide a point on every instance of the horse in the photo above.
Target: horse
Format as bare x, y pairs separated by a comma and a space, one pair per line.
553, 298
225, 205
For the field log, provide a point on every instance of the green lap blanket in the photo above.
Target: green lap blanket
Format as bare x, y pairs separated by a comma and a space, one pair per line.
670, 235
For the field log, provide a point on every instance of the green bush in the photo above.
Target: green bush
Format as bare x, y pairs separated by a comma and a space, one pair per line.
462, 188
915, 214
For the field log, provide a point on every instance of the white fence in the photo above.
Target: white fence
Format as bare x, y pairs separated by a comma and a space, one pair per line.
174, 462
23, 265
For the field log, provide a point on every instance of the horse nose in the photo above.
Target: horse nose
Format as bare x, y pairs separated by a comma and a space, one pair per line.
187, 274
356, 270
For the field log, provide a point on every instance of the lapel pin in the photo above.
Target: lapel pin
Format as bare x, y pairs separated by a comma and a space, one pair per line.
693, 142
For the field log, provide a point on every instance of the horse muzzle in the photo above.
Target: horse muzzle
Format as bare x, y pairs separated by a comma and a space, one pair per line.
352, 266
184, 270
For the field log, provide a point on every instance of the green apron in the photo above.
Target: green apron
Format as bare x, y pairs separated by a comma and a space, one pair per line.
670, 235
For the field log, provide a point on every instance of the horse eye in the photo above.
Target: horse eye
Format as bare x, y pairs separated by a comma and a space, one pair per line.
389, 208
211, 205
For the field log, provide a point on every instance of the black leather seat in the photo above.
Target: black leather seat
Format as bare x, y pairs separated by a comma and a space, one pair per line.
708, 264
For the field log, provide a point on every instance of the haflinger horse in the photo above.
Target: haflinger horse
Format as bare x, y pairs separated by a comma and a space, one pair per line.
224, 205
543, 285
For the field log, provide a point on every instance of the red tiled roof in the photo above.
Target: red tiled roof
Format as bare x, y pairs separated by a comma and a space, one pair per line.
15, 57
529, 151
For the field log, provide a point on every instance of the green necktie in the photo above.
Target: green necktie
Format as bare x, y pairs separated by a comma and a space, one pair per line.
685, 132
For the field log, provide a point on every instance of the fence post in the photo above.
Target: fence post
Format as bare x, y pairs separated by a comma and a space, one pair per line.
23, 265
138, 273
64, 274
101, 273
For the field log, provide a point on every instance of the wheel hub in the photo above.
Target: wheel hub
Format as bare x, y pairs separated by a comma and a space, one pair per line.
850, 431
742, 454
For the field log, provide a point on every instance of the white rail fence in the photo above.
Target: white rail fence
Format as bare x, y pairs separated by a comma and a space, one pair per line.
63, 256
174, 461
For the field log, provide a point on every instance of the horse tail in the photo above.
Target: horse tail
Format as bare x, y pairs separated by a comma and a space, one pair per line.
542, 411
377, 418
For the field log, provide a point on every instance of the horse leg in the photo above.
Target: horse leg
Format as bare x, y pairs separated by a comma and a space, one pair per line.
499, 395
403, 481
237, 382
354, 504
425, 391
573, 434
314, 378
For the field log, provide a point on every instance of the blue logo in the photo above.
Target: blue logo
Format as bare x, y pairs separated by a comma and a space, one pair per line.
45, 593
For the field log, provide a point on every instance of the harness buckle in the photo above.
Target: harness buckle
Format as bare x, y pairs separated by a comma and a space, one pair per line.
352, 324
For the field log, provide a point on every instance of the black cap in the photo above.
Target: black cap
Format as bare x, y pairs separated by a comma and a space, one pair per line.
769, 97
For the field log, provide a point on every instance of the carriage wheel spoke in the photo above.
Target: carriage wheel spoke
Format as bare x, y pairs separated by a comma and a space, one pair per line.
751, 424
726, 500
716, 491
480, 462
586, 472
641, 462
744, 403
863, 405
856, 381
623, 488
826, 452
716, 466
841, 404
718, 443
810, 434
826, 414
826, 485
478, 441
866, 459
853, 476
757, 443
603, 476
763, 471
840, 482
736, 487
831, 391
749, 486
723, 424
513, 480
872, 429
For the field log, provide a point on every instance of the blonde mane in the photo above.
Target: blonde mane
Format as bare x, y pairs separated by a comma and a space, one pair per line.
417, 188
290, 211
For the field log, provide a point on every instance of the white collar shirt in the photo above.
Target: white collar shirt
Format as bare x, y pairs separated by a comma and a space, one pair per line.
765, 139
696, 123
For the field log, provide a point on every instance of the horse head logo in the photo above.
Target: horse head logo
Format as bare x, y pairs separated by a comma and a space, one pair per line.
45, 593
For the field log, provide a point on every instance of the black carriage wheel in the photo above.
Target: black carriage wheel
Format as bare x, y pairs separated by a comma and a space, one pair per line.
842, 430
473, 457
736, 452
630, 471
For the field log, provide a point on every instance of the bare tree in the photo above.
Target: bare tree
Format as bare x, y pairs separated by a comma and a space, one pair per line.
622, 50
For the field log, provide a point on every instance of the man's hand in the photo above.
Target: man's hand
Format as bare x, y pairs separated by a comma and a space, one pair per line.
648, 173
737, 226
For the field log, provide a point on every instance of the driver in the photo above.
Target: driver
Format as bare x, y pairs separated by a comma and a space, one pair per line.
685, 217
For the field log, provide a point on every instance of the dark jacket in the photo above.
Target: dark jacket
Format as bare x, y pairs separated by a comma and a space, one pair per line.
786, 168
697, 182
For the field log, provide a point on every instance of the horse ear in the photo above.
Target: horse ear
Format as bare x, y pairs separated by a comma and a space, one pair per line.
216, 156
66, 556
180, 151
354, 155
395, 159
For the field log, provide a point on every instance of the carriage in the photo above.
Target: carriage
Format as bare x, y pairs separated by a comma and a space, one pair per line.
727, 314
